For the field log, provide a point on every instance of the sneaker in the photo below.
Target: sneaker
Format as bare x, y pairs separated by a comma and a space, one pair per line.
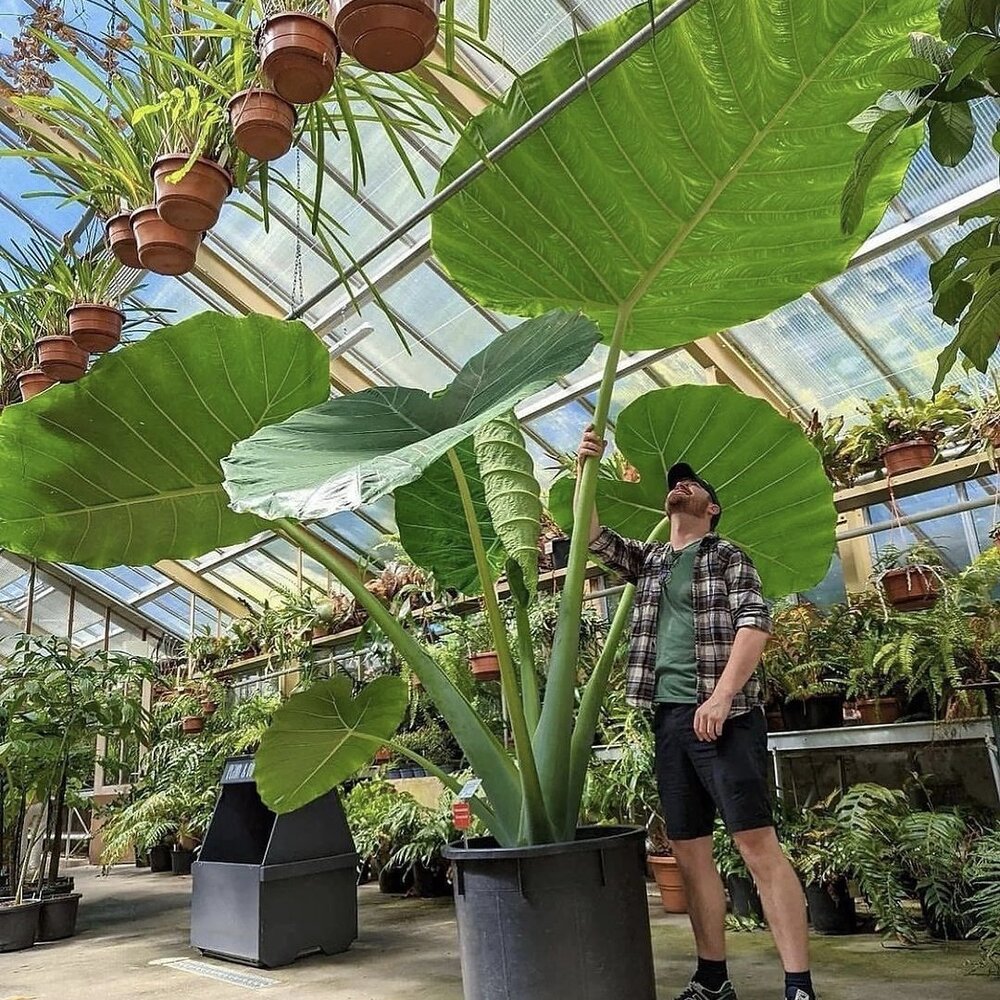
695, 991
799, 995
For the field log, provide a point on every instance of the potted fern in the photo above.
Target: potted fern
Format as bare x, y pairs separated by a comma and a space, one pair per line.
903, 432
911, 578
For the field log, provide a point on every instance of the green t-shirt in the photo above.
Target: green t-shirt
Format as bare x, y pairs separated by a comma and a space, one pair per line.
676, 663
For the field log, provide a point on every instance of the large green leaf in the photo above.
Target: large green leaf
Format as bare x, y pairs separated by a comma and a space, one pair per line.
699, 182
123, 465
777, 503
513, 495
354, 449
322, 736
432, 527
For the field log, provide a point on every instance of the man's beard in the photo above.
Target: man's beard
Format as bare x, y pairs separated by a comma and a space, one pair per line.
686, 503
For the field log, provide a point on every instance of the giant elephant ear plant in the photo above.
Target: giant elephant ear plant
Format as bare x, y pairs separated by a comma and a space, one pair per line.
719, 205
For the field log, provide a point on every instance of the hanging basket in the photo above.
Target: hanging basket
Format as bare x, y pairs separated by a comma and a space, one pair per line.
298, 56
32, 382
485, 666
95, 327
192, 724
60, 358
194, 202
908, 457
163, 249
263, 124
383, 755
121, 239
911, 588
991, 434
388, 37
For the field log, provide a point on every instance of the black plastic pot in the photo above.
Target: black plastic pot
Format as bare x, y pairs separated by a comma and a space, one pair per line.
57, 917
159, 858
556, 921
831, 908
18, 925
394, 880
180, 861
560, 553
823, 712
141, 859
744, 897
431, 882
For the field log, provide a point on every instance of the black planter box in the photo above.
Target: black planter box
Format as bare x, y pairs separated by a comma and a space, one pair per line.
823, 712
159, 858
831, 908
57, 917
269, 889
18, 926
556, 921
180, 861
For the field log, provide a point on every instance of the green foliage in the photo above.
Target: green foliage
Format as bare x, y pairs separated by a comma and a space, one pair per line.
190, 124
805, 656
984, 870
895, 419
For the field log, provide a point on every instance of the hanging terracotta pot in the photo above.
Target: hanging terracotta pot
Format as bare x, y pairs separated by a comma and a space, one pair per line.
121, 239
263, 124
192, 724
298, 56
163, 249
387, 36
911, 588
195, 201
209, 707
60, 358
485, 666
95, 327
991, 434
33, 381
908, 457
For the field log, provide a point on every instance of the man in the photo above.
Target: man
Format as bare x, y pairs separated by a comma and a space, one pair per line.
698, 630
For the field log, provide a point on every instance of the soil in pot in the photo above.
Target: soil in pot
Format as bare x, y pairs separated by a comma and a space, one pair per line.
32, 382
121, 239
18, 924
298, 56
263, 124
60, 358
908, 457
911, 588
831, 908
554, 921
180, 861
744, 897
94, 327
825, 711
387, 36
877, 711
669, 882
192, 203
192, 723
485, 666
163, 249
57, 917
159, 858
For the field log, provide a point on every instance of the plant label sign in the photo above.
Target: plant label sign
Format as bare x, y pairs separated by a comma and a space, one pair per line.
469, 789
461, 815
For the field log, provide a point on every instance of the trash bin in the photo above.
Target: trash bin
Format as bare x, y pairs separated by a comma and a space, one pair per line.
269, 889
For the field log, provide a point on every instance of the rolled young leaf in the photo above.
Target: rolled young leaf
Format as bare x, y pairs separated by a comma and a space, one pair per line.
777, 503
123, 465
355, 449
512, 492
323, 736
697, 185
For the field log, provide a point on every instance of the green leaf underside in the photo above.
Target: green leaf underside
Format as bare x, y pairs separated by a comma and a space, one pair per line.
513, 495
777, 503
323, 736
122, 467
355, 449
701, 179
432, 527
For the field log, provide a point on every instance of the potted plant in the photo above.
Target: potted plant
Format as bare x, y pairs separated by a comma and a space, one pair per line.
387, 37
298, 49
910, 579
485, 665
828, 438
881, 670
903, 432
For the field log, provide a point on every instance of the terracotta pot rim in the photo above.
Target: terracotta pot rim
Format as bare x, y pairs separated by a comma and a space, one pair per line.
95, 305
56, 336
123, 215
287, 15
31, 371
183, 157
921, 569
246, 92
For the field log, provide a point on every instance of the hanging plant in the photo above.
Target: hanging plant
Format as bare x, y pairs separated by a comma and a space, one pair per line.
262, 122
387, 37
298, 49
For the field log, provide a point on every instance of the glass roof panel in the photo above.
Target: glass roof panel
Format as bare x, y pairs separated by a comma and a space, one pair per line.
679, 368
122, 582
562, 428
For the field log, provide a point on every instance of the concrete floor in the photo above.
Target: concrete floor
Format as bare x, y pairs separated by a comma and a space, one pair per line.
132, 920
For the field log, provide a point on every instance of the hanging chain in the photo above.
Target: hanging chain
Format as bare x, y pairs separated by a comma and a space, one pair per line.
298, 291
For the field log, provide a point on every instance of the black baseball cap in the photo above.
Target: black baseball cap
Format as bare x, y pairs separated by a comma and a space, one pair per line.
681, 471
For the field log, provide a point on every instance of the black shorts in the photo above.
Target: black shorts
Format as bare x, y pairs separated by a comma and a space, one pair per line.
696, 779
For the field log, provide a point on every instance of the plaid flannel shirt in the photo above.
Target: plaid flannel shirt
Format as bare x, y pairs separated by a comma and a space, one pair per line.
726, 595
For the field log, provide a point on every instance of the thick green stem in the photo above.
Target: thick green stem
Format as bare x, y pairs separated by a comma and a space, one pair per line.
539, 829
552, 738
596, 688
529, 669
501, 781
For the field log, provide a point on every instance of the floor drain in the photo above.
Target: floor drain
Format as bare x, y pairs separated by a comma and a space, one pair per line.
248, 980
